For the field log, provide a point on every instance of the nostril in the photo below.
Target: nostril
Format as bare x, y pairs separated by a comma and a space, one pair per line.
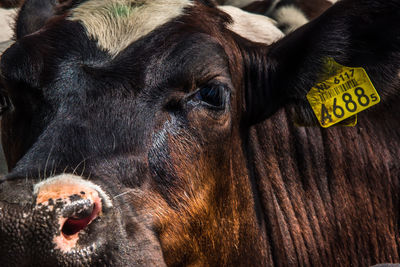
79, 215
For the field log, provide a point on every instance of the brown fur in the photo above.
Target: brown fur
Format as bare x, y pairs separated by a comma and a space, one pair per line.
329, 195
11, 3
203, 230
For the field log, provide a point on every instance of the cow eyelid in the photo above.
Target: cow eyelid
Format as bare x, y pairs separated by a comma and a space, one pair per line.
5, 103
211, 95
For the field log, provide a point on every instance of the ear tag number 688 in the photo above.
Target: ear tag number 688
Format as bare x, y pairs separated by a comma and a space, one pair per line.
347, 92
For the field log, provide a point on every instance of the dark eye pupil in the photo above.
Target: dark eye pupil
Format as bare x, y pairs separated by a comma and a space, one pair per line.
4, 103
211, 95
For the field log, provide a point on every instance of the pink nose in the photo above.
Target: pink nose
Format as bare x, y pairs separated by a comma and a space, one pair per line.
81, 204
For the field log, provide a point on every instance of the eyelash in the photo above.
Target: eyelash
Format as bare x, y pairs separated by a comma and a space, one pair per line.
211, 95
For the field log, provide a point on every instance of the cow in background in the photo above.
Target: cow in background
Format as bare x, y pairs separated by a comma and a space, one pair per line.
290, 14
311, 8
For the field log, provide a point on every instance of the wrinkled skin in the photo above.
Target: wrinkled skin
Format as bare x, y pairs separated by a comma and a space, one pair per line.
165, 128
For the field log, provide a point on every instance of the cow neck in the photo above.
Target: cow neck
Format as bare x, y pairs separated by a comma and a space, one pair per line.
322, 193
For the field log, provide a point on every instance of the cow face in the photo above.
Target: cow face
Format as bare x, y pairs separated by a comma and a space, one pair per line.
124, 133
127, 134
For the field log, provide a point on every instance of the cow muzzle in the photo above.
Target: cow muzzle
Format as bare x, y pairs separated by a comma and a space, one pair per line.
60, 222
76, 203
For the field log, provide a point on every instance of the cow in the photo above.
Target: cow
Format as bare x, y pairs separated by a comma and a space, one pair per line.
288, 10
158, 133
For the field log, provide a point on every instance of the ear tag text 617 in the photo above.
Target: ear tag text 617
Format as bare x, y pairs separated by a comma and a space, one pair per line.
342, 93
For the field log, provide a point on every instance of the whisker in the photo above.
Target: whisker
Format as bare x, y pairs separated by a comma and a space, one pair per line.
122, 194
77, 166
47, 161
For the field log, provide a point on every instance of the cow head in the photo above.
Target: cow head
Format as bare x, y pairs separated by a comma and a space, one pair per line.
126, 136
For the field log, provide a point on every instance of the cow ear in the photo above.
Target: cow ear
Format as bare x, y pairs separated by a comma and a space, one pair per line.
33, 15
355, 33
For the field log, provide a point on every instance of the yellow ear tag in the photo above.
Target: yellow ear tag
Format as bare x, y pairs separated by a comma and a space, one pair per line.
343, 93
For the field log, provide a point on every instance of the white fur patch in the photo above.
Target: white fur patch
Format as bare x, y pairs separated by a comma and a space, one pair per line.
332, 1
73, 179
256, 28
115, 24
291, 17
6, 20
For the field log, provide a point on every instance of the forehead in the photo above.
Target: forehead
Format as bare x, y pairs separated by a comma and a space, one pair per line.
115, 24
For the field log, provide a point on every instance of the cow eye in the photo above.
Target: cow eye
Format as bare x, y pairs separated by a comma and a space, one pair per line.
4, 103
211, 95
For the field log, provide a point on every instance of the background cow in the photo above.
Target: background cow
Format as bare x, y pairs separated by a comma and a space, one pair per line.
157, 133
6, 18
311, 8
